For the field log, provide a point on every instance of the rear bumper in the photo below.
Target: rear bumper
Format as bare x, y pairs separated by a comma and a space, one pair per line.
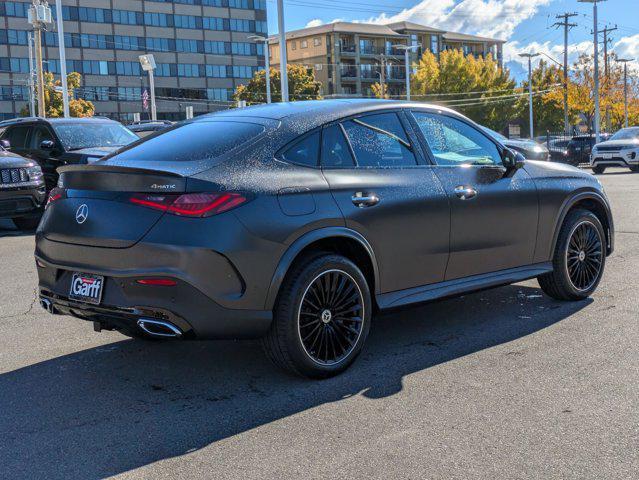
21, 202
194, 306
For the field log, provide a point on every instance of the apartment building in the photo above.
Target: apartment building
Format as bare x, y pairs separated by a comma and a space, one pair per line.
347, 57
202, 50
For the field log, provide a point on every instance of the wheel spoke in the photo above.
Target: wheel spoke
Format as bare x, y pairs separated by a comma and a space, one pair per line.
584, 256
330, 318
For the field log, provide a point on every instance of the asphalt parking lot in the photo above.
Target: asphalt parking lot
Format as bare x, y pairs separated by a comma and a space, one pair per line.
505, 383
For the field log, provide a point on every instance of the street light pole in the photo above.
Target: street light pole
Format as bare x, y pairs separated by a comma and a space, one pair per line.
625, 88
283, 55
407, 49
148, 64
530, 56
63, 59
32, 112
596, 42
39, 15
267, 63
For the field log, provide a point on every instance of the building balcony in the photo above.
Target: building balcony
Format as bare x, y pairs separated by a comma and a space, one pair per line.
348, 72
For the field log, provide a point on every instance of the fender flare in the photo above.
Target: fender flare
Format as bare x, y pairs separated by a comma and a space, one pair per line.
570, 202
304, 241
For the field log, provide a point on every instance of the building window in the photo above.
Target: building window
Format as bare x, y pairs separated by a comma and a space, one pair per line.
317, 41
304, 44
434, 44
293, 45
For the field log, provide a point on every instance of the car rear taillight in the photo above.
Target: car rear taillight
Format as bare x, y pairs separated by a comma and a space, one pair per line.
56, 194
190, 204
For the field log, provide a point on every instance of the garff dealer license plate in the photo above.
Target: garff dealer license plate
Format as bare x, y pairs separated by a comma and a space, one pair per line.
86, 288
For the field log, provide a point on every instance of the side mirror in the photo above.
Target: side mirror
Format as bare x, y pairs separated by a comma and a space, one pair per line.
6, 144
47, 145
512, 160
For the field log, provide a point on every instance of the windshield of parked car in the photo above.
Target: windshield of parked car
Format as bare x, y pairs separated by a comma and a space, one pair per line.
627, 134
76, 136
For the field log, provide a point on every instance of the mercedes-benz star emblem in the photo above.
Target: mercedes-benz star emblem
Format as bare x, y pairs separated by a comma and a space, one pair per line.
82, 214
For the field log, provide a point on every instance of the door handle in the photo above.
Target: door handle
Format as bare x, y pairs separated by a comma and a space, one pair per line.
465, 192
360, 200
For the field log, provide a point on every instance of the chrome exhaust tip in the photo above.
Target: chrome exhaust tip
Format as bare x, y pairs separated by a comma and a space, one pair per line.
47, 305
158, 328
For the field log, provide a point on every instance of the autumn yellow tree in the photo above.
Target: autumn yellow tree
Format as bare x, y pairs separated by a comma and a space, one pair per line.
548, 101
581, 94
78, 107
379, 92
466, 83
301, 83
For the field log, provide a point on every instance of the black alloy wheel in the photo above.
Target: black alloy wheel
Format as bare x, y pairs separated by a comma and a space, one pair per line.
321, 318
331, 317
584, 256
579, 258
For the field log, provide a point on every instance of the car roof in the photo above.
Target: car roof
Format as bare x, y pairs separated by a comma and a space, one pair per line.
313, 113
53, 121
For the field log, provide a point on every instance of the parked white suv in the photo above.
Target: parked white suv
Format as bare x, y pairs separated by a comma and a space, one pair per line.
621, 150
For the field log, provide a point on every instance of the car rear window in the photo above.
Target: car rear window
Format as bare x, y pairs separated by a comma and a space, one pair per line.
196, 141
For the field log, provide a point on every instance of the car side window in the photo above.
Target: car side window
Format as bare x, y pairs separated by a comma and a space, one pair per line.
38, 135
454, 142
17, 136
335, 150
379, 140
304, 152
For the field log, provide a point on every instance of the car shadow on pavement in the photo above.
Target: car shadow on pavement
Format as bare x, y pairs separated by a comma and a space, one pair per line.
121, 406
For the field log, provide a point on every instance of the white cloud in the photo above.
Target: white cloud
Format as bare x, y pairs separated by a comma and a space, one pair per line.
628, 47
491, 18
316, 22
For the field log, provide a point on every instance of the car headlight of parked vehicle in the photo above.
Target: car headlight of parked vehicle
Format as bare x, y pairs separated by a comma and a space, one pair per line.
35, 173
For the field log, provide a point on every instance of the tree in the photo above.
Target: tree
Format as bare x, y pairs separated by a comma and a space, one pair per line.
378, 91
301, 84
581, 94
468, 84
78, 107
548, 107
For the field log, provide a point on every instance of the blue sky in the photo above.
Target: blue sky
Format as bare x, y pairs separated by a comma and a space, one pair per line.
525, 24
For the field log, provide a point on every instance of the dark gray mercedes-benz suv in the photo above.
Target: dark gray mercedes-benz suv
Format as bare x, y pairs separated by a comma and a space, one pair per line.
296, 222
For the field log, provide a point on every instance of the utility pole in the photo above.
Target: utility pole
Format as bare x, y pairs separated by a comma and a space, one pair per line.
63, 59
567, 26
32, 111
625, 88
530, 56
382, 75
283, 54
39, 16
596, 73
606, 70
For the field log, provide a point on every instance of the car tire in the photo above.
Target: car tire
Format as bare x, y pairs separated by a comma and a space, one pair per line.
321, 318
634, 168
27, 223
598, 169
579, 258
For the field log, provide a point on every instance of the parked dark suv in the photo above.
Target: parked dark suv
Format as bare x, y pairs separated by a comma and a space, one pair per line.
54, 142
22, 190
295, 222
580, 147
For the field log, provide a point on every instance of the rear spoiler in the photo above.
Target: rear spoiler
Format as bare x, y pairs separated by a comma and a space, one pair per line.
120, 179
